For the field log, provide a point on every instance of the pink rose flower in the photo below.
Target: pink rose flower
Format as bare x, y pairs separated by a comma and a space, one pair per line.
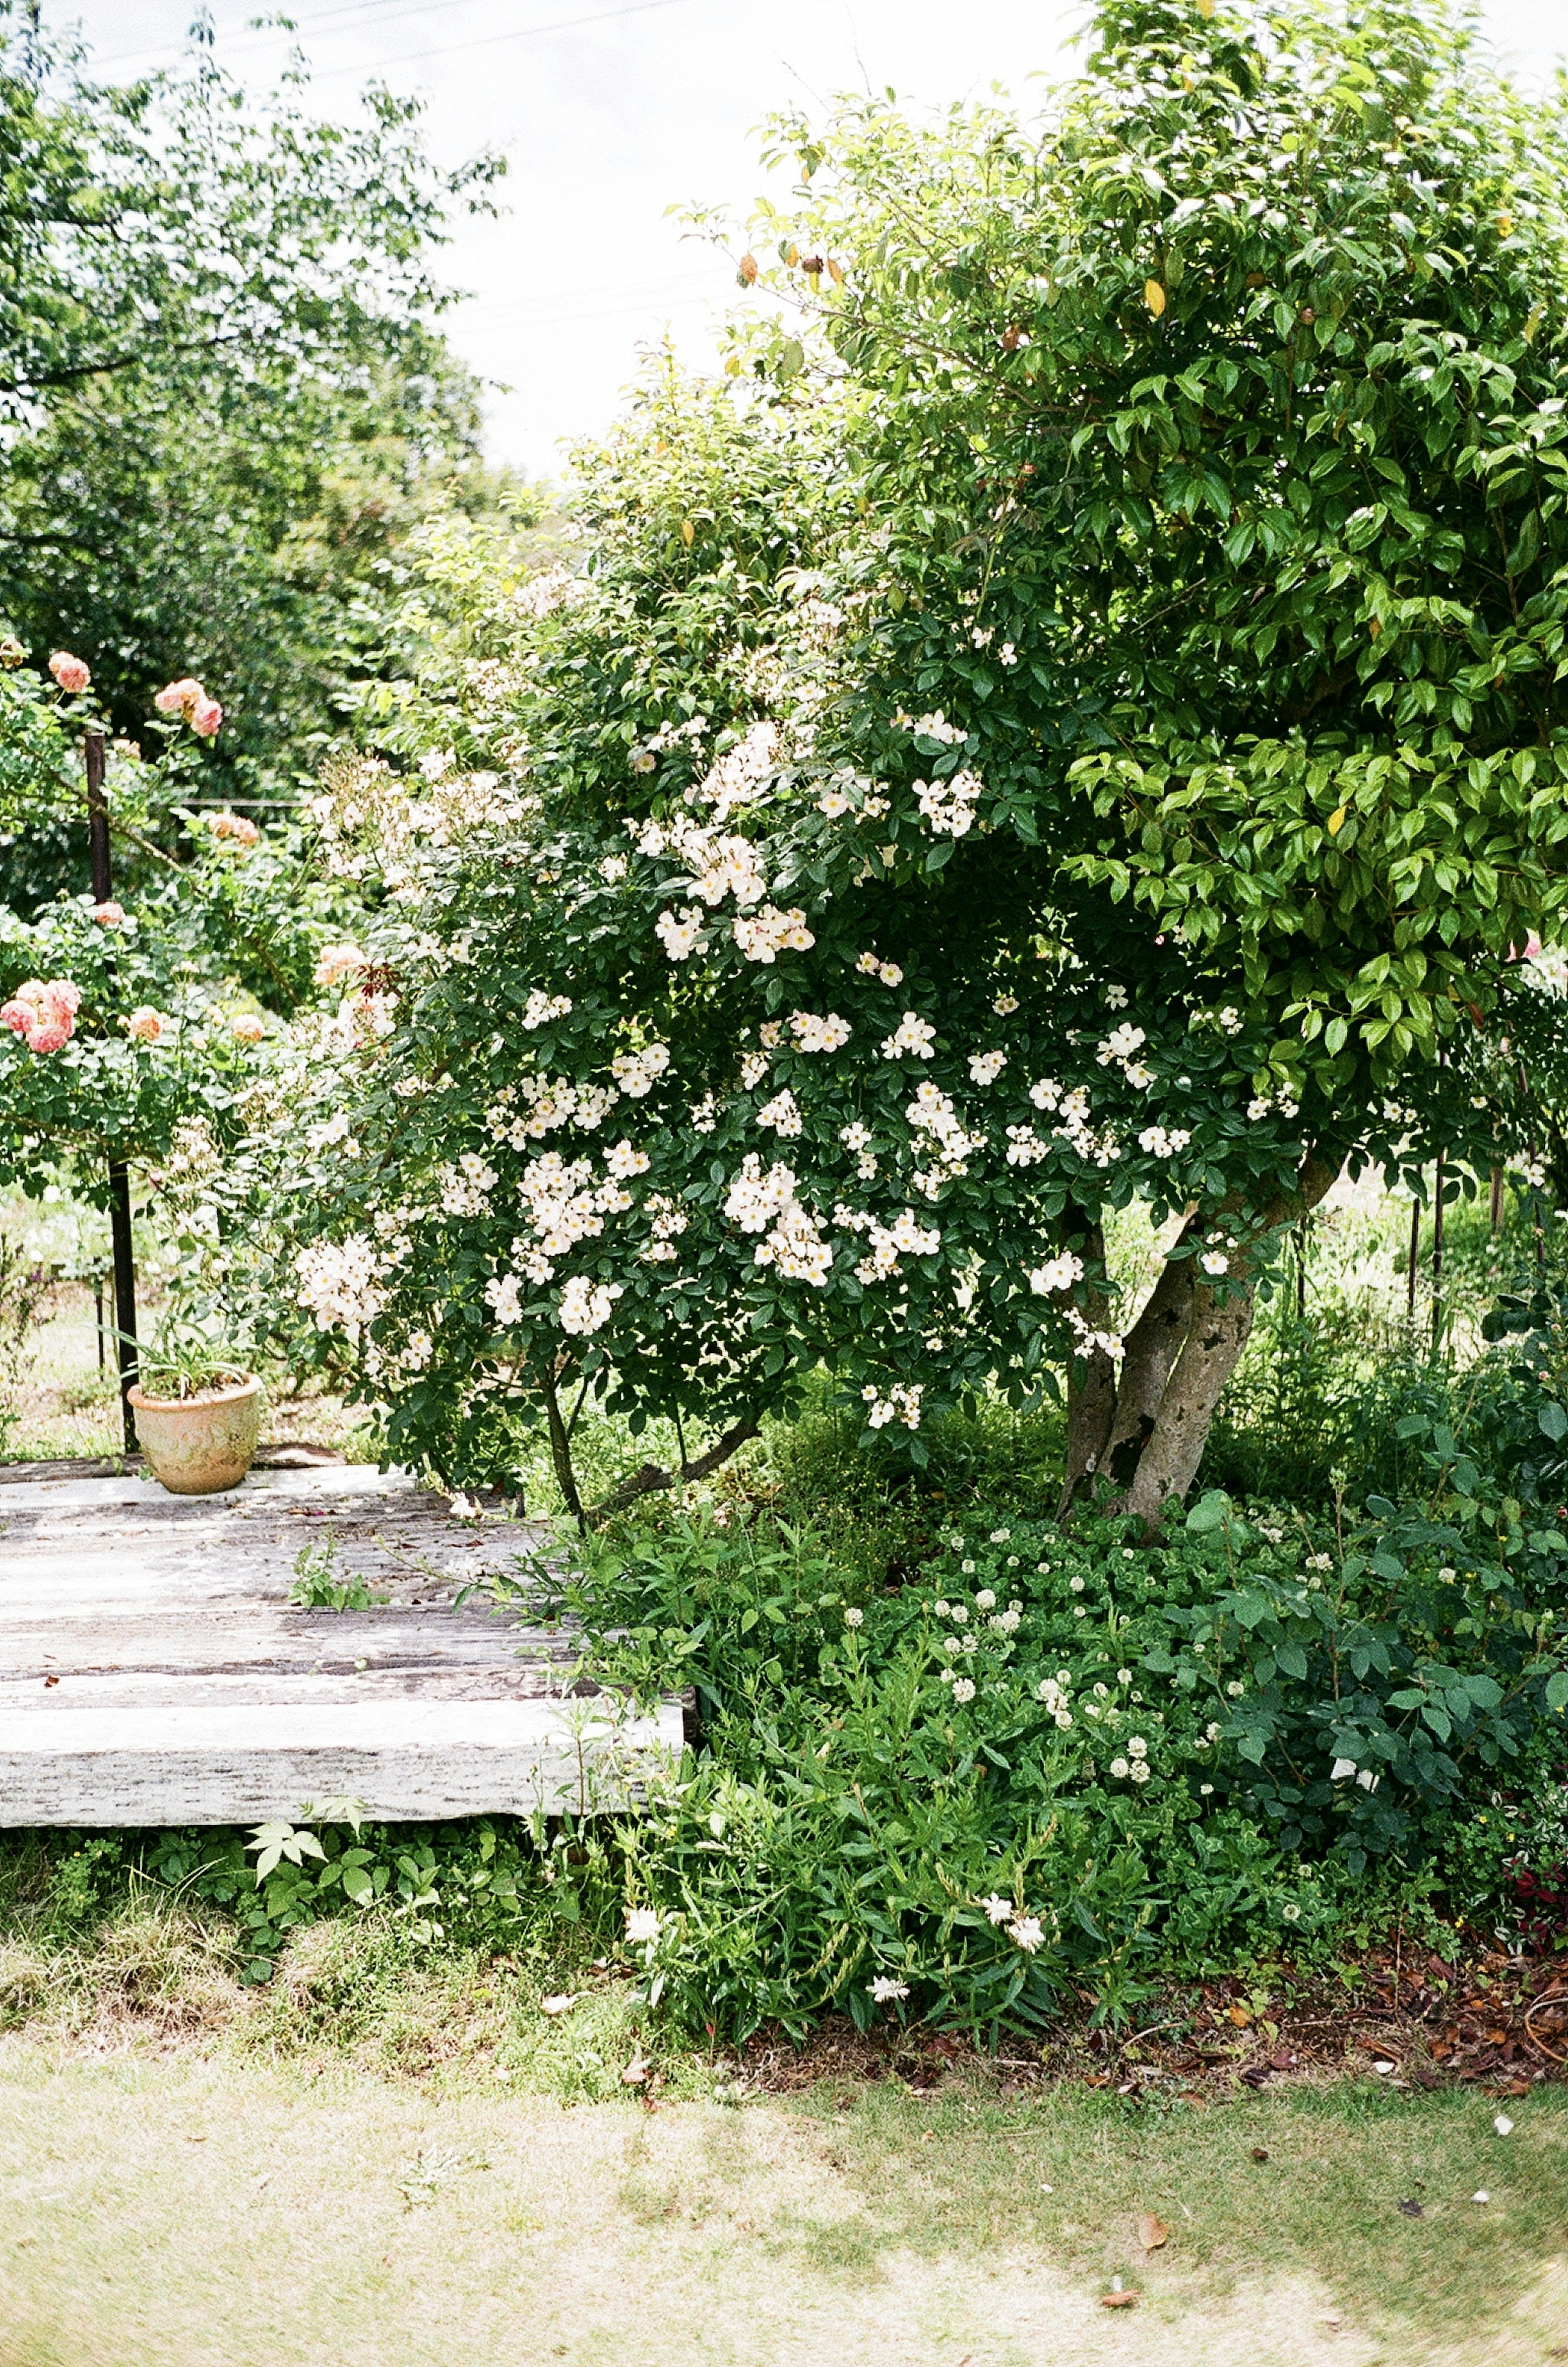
205, 715
43, 1013
70, 673
146, 1024
338, 962
108, 916
178, 697
237, 828
248, 1028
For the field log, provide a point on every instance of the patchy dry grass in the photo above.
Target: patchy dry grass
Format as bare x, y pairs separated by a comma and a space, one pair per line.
230, 2210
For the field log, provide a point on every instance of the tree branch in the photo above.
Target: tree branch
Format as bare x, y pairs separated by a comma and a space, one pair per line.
654, 1476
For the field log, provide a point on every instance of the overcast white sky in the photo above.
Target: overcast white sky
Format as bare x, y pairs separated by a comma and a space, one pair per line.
609, 111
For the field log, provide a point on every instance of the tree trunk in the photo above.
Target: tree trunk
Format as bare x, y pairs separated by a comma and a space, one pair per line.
1092, 1398
1174, 1447
1148, 1358
1175, 1362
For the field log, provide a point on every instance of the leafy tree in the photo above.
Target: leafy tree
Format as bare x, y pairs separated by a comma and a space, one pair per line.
1084, 725
225, 393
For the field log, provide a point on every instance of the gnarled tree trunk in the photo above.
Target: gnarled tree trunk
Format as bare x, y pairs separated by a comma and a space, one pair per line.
1145, 1427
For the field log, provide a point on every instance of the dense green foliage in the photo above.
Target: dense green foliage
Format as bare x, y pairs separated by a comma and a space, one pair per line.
225, 393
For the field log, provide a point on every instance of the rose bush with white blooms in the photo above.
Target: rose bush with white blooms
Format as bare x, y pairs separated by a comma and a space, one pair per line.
1075, 719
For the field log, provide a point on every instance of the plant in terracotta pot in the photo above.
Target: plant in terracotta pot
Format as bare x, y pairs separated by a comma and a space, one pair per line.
198, 1416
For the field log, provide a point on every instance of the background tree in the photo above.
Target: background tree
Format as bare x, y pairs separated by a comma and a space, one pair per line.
226, 394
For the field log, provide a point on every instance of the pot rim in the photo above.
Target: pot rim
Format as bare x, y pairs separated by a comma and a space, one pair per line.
139, 1397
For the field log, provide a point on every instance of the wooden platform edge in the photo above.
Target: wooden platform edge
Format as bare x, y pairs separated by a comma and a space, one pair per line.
449, 1760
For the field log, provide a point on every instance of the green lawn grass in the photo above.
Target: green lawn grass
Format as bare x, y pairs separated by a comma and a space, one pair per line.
225, 2211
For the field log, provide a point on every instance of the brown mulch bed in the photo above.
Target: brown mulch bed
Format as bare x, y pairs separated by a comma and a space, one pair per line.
1410, 2019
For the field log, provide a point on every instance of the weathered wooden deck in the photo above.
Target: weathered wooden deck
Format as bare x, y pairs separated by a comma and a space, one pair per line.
153, 1672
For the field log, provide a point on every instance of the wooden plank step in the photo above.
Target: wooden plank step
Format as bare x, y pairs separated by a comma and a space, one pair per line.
153, 1669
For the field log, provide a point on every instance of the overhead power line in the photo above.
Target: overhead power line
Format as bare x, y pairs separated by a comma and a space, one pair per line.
454, 49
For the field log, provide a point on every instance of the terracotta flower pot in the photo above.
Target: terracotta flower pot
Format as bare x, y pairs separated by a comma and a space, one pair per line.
197, 1445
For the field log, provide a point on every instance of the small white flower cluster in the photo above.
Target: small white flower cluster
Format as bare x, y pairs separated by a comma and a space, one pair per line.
849, 792
541, 1007
1119, 1046
1056, 1692
771, 932
906, 1237
636, 1072
1073, 1108
565, 1207
886, 1990
1005, 1006
668, 1221
1057, 1273
1214, 1262
704, 1114
553, 587
889, 972
1164, 1144
949, 806
623, 1161
932, 1113
643, 752
613, 868
766, 1204
1115, 997
858, 1138
753, 1068
505, 1295
1027, 1933
1136, 1763
901, 1404
1025, 1147
340, 1283
585, 1305
987, 1067
1283, 1100
913, 1036
933, 727
466, 1186
551, 1101
740, 773
783, 1114
679, 935
813, 1035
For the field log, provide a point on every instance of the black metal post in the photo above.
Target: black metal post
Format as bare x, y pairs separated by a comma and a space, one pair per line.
120, 1180
1437, 1258
98, 1307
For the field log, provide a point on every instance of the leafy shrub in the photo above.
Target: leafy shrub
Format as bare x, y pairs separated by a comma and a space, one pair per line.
1058, 1757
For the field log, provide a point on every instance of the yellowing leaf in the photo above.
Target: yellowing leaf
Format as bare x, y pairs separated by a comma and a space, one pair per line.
1205, 9
747, 270
732, 367
1337, 821
1153, 2234
1505, 224
688, 532
1154, 297
792, 254
1375, 626
834, 273
1537, 315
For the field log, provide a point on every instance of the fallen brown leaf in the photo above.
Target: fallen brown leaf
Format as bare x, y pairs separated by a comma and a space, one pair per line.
1117, 2301
635, 2073
1153, 2234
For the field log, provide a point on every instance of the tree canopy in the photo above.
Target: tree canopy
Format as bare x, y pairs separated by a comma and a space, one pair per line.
1078, 722
225, 391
